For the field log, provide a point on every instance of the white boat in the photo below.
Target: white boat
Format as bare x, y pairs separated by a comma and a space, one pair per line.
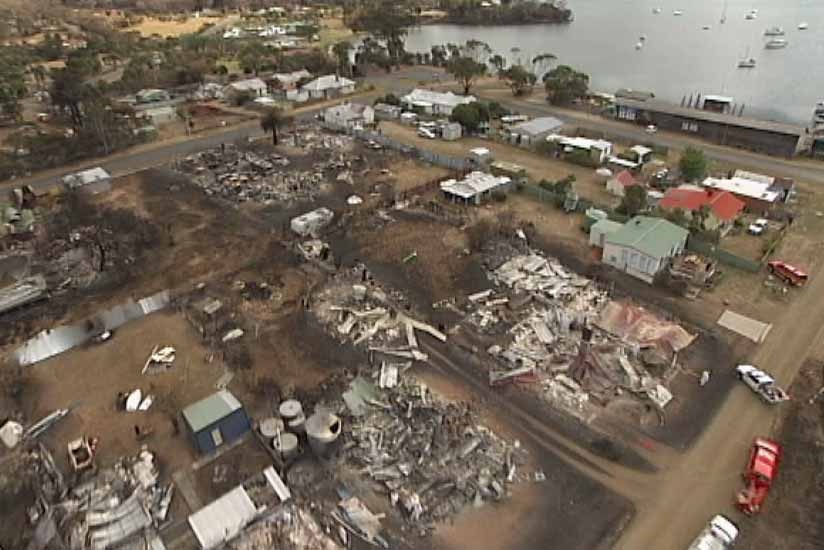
678, 12
774, 31
656, 11
643, 38
750, 16
748, 63
639, 45
803, 26
776, 44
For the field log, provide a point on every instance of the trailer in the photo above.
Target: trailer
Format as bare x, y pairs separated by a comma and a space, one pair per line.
761, 383
762, 467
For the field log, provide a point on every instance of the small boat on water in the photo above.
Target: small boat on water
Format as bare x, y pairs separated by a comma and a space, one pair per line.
639, 45
803, 26
748, 63
656, 11
774, 31
776, 44
678, 12
750, 16
707, 27
643, 38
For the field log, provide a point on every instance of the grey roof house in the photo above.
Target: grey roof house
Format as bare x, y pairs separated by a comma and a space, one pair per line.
643, 246
532, 131
215, 421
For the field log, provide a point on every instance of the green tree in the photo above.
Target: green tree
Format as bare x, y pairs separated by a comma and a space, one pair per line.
83, 62
470, 116
693, 164
498, 62
51, 49
386, 20
466, 71
477, 50
520, 80
634, 201
542, 62
438, 55
12, 87
273, 120
252, 57
564, 84
678, 216
68, 92
341, 50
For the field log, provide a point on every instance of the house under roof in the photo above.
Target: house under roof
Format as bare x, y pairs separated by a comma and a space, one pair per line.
327, 82
538, 126
250, 85
654, 237
724, 205
743, 187
473, 185
422, 96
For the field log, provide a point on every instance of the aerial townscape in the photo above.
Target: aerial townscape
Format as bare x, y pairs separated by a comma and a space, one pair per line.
421, 274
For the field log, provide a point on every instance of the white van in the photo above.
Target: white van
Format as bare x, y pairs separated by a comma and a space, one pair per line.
720, 534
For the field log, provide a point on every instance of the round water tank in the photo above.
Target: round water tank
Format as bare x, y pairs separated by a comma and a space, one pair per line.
269, 427
286, 445
290, 408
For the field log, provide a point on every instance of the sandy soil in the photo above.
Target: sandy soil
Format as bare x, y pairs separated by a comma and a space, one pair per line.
88, 379
150, 26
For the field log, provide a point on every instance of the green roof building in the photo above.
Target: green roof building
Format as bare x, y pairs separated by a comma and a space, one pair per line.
643, 246
215, 421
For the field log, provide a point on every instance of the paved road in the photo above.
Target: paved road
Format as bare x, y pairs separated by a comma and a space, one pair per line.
159, 153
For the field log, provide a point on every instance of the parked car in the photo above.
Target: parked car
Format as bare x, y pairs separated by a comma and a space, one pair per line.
788, 273
758, 227
761, 383
102, 337
651, 129
426, 133
719, 534
762, 467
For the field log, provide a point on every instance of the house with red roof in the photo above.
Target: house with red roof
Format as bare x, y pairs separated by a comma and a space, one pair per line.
722, 208
618, 184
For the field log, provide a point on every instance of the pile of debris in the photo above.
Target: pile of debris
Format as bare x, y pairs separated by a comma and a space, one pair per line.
289, 528
114, 505
361, 312
570, 337
242, 175
430, 457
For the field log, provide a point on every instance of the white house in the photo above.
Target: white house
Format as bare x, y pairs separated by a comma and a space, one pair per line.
289, 81
643, 246
92, 181
434, 103
350, 114
328, 86
533, 131
598, 149
254, 86
473, 188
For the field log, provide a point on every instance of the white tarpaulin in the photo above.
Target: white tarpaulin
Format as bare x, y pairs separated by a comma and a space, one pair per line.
223, 519
746, 327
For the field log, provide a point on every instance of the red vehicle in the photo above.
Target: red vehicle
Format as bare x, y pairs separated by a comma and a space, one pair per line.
787, 272
761, 471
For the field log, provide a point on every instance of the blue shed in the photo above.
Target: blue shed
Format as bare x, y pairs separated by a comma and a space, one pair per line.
215, 421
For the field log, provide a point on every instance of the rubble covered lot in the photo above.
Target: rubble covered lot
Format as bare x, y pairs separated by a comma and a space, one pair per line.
366, 290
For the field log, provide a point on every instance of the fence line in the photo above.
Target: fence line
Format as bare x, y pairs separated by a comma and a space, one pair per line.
452, 163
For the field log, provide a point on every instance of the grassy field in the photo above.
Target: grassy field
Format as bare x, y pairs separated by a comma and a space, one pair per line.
150, 26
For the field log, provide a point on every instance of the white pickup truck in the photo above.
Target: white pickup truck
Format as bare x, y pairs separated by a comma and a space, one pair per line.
719, 534
761, 383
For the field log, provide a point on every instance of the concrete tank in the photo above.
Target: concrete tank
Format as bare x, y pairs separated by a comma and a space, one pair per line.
322, 430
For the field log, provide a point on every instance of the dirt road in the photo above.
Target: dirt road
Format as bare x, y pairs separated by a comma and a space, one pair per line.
704, 480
